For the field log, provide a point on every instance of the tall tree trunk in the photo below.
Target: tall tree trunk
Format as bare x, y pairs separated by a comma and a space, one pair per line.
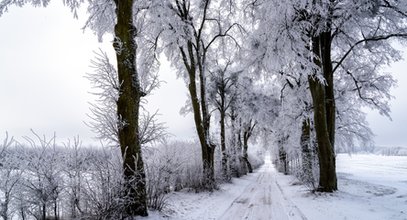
201, 117
44, 211
222, 110
128, 106
282, 155
326, 41
4, 207
239, 147
56, 210
193, 56
246, 137
326, 154
225, 171
209, 159
234, 155
247, 133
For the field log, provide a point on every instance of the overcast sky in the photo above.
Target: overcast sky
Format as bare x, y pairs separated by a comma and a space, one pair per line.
44, 56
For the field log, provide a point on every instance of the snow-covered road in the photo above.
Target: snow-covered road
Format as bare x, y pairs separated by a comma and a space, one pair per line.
262, 199
255, 196
255, 201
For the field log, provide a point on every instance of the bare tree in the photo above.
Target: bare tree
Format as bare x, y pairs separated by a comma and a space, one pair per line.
42, 178
9, 177
74, 168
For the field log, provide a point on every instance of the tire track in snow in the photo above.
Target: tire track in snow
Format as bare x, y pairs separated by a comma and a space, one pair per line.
293, 209
253, 202
263, 199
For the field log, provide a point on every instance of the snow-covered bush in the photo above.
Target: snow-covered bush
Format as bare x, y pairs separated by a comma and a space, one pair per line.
173, 165
74, 170
42, 180
102, 191
160, 169
9, 177
236, 165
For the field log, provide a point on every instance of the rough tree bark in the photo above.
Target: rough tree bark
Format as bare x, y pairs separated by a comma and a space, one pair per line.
323, 122
239, 149
225, 168
128, 109
247, 133
234, 153
223, 103
282, 155
208, 147
201, 119
193, 55
5, 205
326, 41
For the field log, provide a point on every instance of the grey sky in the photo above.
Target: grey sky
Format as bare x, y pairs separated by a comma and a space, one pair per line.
45, 54
43, 59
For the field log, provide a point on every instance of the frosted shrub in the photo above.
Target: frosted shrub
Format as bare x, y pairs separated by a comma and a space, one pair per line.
307, 172
42, 178
102, 191
237, 165
9, 177
190, 174
172, 166
75, 168
159, 171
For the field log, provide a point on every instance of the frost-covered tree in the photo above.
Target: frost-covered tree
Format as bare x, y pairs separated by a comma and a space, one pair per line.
128, 22
42, 178
135, 44
222, 81
194, 30
292, 129
74, 169
293, 132
253, 108
258, 109
352, 128
128, 106
103, 117
323, 39
104, 122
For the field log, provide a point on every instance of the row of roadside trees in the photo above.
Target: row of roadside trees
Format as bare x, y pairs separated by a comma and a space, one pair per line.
297, 71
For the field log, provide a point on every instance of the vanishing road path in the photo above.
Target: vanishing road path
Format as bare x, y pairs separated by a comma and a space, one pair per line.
262, 199
256, 196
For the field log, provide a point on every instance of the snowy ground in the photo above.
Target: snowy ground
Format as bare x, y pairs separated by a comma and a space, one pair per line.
371, 187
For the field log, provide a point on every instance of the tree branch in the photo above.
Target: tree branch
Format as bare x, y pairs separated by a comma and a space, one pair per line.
372, 39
